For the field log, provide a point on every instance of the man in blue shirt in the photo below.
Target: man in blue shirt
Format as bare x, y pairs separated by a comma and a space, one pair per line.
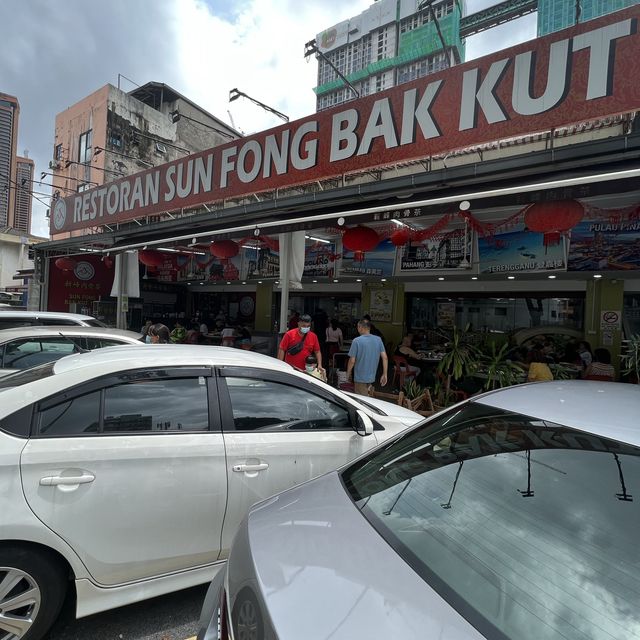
364, 354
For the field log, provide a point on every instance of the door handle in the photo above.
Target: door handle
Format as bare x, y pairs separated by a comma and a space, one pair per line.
54, 481
250, 467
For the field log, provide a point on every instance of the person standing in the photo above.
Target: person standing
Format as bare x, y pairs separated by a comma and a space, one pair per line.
334, 338
158, 333
365, 353
298, 343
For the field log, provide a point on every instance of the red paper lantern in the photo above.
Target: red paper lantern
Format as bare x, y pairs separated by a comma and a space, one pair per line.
360, 239
65, 264
553, 218
151, 258
400, 237
224, 249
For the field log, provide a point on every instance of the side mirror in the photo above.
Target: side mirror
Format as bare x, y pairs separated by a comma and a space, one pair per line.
364, 425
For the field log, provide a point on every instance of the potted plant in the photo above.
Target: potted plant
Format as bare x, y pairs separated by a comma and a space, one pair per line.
458, 361
498, 368
630, 359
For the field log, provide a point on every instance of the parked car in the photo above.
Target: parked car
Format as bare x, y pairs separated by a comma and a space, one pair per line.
125, 471
514, 516
10, 319
27, 347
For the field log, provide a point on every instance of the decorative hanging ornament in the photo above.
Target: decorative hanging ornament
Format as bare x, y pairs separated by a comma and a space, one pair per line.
224, 249
553, 219
360, 239
400, 237
65, 264
108, 262
151, 258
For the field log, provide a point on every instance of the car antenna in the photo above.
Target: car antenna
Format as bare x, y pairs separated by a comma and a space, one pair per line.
74, 343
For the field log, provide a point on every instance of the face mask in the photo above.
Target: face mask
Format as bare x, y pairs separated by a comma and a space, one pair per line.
305, 329
147, 339
309, 368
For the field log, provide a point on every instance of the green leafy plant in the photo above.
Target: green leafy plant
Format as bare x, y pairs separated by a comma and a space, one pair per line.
412, 390
458, 361
500, 371
630, 359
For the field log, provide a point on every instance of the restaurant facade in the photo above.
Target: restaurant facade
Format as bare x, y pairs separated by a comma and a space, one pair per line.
503, 193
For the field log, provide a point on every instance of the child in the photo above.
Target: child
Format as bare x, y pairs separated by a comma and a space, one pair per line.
311, 367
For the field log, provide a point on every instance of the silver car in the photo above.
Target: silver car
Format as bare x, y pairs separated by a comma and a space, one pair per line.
26, 347
515, 515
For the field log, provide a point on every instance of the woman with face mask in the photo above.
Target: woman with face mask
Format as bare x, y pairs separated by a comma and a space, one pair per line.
299, 343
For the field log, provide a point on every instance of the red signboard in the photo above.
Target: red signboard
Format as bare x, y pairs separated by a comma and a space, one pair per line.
588, 71
89, 280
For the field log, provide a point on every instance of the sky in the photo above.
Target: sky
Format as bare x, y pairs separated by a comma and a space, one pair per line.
56, 53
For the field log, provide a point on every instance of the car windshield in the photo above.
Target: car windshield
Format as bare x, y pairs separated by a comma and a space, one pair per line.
528, 529
28, 375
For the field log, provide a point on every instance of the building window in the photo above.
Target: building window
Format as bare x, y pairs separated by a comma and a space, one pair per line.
83, 186
115, 140
84, 148
57, 154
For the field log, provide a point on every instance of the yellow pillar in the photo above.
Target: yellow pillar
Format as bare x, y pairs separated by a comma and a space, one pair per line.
264, 297
603, 316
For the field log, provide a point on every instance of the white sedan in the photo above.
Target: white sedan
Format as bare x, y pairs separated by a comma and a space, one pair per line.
125, 472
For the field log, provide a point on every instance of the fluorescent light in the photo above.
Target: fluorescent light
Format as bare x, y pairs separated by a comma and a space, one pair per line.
250, 246
597, 275
358, 279
314, 281
335, 280
383, 279
318, 239
511, 277
259, 281
398, 222
440, 278
244, 283
474, 277
228, 282
551, 277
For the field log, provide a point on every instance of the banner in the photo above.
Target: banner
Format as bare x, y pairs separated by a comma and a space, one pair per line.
320, 261
378, 262
578, 74
520, 251
597, 245
441, 252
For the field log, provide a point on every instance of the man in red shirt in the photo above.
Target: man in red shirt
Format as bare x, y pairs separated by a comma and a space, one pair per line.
310, 345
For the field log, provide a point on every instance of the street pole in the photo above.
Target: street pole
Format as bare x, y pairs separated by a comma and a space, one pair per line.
285, 270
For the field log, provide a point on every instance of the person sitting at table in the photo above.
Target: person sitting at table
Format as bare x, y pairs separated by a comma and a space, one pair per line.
193, 335
335, 339
178, 334
600, 366
404, 349
243, 341
228, 336
539, 370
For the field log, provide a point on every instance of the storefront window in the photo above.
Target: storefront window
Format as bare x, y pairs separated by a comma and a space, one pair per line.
631, 315
495, 314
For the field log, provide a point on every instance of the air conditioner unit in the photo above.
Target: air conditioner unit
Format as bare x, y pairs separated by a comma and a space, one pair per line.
54, 164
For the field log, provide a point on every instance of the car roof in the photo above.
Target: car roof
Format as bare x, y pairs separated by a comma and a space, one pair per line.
111, 358
45, 314
68, 330
607, 409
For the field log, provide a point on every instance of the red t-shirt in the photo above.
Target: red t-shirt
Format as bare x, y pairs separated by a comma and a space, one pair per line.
310, 346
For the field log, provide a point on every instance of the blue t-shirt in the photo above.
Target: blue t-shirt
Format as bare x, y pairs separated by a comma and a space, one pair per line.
366, 349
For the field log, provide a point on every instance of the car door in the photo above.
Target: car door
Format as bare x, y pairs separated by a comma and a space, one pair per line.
131, 472
279, 430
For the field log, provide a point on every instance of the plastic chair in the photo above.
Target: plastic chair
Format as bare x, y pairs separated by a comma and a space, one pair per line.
402, 370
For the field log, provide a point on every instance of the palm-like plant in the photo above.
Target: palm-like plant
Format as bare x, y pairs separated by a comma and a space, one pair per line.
631, 358
500, 371
459, 360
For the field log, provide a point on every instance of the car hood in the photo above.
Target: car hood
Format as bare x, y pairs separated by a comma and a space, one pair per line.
402, 414
323, 571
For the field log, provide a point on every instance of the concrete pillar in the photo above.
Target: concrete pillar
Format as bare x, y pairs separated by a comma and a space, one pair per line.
264, 296
604, 303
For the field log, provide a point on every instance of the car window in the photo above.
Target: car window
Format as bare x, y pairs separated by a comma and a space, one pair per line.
57, 322
529, 529
264, 405
99, 343
92, 322
72, 417
31, 352
24, 377
173, 404
9, 323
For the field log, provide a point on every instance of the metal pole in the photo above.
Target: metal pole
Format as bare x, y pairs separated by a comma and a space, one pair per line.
120, 262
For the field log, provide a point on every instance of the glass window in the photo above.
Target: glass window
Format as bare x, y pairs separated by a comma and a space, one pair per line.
57, 322
99, 343
23, 354
528, 528
10, 323
73, 417
24, 377
84, 147
262, 405
94, 323
174, 404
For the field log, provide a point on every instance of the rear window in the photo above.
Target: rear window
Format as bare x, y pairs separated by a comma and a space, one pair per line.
528, 529
26, 376
94, 323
